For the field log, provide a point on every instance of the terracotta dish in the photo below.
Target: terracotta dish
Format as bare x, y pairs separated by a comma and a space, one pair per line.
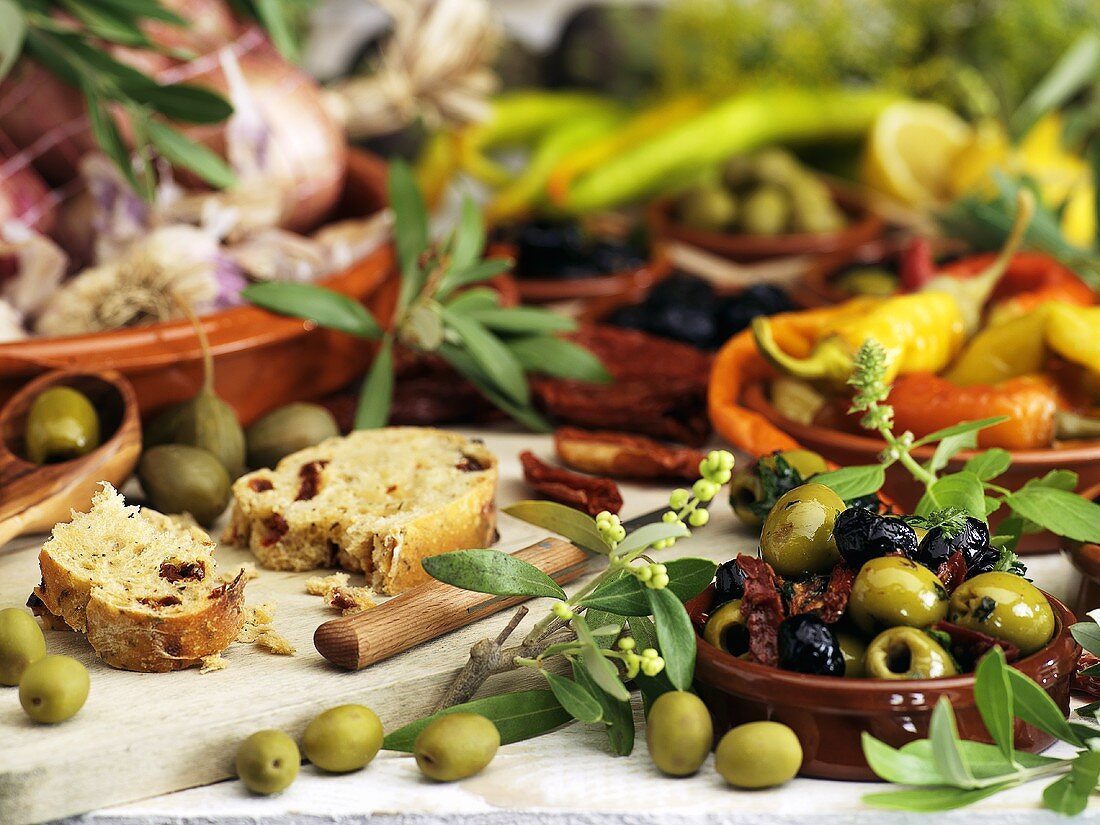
846, 449
863, 226
630, 283
830, 714
1085, 556
261, 360
37, 497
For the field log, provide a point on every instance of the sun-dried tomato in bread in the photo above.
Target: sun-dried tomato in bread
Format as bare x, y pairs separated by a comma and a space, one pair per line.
953, 571
762, 609
621, 455
968, 646
588, 494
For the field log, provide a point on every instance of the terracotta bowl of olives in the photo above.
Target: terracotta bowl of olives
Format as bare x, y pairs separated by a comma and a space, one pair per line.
1085, 556
830, 714
766, 206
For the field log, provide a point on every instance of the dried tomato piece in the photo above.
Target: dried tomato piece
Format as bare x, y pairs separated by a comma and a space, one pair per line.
805, 596
621, 455
827, 596
1086, 684
835, 601
586, 493
968, 646
183, 571
953, 571
276, 528
309, 480
762, 609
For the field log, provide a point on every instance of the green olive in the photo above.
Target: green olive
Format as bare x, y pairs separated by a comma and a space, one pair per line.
893, 590
287, 430
907, 653
868, 280
854, 651
812, 206
709, 208
797, 539
766, 211
54, 688
268, 761
21, 644
456, 746
178, 478
208, 422
679, 733
342, 739
745, 491
61, 424
776, 165
725, 629
804, 462
1006, 607
758, 755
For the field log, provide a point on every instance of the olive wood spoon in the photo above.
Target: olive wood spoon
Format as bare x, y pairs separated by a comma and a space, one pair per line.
33, 498
432, 609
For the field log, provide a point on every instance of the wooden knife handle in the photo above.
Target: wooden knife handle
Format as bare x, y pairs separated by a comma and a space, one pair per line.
432, 609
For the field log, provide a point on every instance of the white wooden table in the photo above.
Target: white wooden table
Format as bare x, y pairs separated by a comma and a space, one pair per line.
566, 776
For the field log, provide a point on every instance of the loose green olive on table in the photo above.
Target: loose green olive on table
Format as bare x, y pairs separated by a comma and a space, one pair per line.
343, 739
62, 424
286, 430
797, 538
907, 653
456, 746
178, 478
679, 733
268, 761
54, 688
21, 644
758, 755
1006, 607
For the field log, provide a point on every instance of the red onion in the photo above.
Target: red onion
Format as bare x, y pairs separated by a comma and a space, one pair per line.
23, 195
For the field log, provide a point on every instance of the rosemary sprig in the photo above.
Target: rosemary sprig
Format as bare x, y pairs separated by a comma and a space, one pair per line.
441, 309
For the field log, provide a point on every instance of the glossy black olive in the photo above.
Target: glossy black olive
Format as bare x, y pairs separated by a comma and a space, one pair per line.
862, 535
729, 582
563, 249
736, 312
808, 645
973, 540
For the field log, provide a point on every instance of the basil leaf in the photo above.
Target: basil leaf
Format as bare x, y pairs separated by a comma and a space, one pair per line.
523, 320
1070, 794
961, 490
491, 355
617, 714
491, 571
624, 595
458, 358
853, 482
932, 799
989, 464
959, 429
944, 736
376, 394
480, 271
643, 537
184, 152
1058, 479
469, 237
675, 635
575, 699
1061, 512
1087, 634
519, 715
13, 31
558, 358
898, 766
1032, 704
578, 527
949, 447
410, 229
314, 303
993, 695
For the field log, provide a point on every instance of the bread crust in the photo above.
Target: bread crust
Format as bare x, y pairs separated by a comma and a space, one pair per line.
288, 534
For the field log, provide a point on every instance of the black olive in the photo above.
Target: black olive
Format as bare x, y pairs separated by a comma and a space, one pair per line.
984, 562
729, 581
937, 546
632, 316
736, 312
862, 535
808, 645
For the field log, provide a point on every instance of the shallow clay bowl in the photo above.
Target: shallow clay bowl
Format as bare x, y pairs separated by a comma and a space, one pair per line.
629, 283
33, 498
863, 226
829, 714
1085, 556
260, 360
846, 449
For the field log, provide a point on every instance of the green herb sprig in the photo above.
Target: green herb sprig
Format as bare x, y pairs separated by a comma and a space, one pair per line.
441, 309
1046, 503
628, 624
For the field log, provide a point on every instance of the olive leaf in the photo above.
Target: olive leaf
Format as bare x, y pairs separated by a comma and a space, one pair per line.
1070, 794
559, 358
580, 704
932, 799
13, 31
491, 571
186, 153
624, 595
376, 395
322, 306
599, 667
522, 320
491, 355
1033, 705
993, 695
578, 527
518, 715
473, 274
675, 636
617, 713
649, 534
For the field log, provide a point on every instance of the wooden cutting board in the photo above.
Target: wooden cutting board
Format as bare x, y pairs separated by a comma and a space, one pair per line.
140, 735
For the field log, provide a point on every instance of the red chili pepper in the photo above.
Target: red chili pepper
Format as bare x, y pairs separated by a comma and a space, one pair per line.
1029, 273
917, 266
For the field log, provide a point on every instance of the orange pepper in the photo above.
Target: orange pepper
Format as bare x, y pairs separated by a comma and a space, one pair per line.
1031, 279
924, 403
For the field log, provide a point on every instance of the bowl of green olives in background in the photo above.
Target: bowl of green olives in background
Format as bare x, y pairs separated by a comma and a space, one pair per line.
767, 205
875, 620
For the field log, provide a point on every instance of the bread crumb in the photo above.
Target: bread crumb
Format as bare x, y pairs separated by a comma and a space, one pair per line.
349, 600
246, 571
322, 585
213, 663
259, 614
275, 642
